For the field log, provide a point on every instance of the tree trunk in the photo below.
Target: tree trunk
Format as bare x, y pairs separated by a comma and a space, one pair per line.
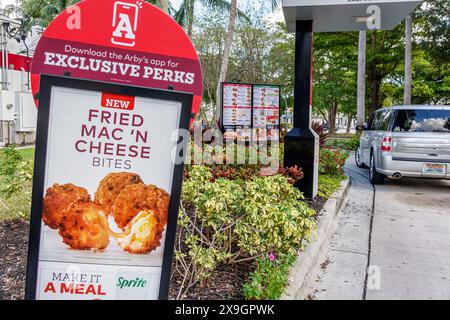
375, 94
408, 61
190, 16
349, 122
375, 81
332, 113
226, 55
164, 5
361, 104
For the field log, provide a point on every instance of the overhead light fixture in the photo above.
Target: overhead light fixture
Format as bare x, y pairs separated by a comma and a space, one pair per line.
364, 19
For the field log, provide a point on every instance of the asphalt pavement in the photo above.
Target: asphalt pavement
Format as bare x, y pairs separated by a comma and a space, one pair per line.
391, 242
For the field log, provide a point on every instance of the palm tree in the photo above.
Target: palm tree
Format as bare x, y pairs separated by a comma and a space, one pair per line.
227, 50
185, 14
226, 55
408, 62
50, 9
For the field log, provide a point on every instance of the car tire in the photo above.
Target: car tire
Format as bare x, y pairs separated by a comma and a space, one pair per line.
375, 177
358, 159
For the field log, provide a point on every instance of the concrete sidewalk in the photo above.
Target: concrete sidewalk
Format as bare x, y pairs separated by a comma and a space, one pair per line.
341, 272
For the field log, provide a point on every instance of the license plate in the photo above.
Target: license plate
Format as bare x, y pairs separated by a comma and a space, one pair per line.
433, 168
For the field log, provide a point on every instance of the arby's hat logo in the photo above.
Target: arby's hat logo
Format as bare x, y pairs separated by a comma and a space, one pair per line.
116, 101
125, 42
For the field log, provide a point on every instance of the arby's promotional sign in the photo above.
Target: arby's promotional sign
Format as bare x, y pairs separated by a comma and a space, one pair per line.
125, 42
116, 83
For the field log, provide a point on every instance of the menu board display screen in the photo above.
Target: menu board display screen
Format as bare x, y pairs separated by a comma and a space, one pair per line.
266, 106
251, 112
237, 105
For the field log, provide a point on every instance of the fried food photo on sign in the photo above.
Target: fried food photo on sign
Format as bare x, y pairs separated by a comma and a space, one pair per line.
139, 197
85, 226
112, 185
142, 235
141, 211
57, 199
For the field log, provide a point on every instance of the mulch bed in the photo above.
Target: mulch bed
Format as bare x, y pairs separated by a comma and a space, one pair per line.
317, 204
13, 258
225, 282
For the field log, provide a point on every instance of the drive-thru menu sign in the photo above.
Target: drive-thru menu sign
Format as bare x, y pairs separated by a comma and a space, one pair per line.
237, 104
108, 169
266, 105
251, 112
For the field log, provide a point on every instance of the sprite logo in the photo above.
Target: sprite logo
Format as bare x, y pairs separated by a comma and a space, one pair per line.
135, 283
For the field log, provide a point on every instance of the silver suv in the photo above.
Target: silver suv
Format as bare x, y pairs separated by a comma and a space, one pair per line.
406, 141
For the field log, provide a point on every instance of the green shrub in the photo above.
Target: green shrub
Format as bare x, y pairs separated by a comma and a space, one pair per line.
270, 277
332, 161
229, 221
16, 176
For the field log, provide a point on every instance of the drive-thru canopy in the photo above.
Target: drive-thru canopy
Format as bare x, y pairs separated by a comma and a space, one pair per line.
305, 17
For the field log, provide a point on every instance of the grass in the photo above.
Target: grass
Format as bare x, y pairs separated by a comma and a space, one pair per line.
328, 184
350, 143
27, 153
342, 135
17, 206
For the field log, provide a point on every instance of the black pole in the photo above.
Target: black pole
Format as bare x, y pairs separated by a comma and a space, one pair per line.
301, 146
302, 94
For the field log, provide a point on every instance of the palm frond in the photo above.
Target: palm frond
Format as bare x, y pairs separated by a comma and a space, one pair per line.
275, 5
226, 6
180, 15
49, 11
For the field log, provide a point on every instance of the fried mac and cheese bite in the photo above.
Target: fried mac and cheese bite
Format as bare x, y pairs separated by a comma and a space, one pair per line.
139, 197
111, 186
57, 199
85, 226
142, 235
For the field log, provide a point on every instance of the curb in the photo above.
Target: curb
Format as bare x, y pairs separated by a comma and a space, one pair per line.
326, 224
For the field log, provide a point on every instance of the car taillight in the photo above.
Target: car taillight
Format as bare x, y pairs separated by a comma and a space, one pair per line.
386, 144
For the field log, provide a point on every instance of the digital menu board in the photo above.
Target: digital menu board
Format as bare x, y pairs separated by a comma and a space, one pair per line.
250, 112
266, 106
237, 105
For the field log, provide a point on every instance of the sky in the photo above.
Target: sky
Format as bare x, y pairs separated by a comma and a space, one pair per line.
6, 2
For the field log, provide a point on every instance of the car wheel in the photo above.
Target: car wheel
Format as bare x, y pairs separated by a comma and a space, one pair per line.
358, 159
375, 177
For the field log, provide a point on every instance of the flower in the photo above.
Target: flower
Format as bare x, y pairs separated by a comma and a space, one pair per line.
272, 257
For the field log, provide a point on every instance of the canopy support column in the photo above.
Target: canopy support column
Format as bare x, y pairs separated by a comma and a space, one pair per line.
301, 146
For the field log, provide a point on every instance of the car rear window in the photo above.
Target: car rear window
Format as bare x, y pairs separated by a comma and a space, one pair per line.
422, 121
